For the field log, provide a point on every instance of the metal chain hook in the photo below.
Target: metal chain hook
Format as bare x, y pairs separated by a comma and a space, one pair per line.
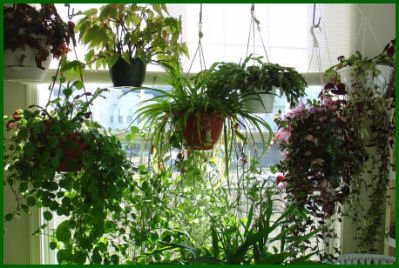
70, 16
314, 14
200, 34
254, 18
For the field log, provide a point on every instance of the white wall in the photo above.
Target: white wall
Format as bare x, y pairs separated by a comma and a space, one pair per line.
16, 237
379, 21
380, 29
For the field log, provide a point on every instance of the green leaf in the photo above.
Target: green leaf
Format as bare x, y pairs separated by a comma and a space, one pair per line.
9, 217
133, 131
80, 257
115, 259
62, 233
90, 12
64, 256
31, 201
29, 150
78, 84
276, 258
67, 92
47, 215
53, 141
53, 245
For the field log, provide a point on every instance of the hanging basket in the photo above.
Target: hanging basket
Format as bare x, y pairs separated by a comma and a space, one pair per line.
210, 124
124, 74
261, 103
72, 145
20, 65
380, 82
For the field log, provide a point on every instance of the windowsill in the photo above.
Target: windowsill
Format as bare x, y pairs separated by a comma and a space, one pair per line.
102, 76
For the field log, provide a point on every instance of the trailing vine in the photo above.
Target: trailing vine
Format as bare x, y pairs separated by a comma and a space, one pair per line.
372, 117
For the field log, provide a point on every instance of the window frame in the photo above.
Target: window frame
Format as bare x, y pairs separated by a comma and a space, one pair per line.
40, 252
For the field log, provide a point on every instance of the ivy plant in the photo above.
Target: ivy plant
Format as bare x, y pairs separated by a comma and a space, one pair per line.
87, 191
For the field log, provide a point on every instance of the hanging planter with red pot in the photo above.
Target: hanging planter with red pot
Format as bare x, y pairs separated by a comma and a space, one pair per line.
205, 138
72, 145
124, 74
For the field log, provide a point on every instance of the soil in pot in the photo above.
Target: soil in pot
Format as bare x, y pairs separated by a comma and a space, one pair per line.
71, 145
210, 124
124, 74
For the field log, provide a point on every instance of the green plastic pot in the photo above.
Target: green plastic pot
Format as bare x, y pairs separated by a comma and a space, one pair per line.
124, 74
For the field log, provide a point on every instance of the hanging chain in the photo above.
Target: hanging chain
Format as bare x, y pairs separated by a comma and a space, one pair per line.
254, 21
199, 50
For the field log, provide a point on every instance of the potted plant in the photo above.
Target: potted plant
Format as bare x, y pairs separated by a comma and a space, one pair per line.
370, 112
257, 84
322, 153
359, 73
59, 160
126, 37
30, 36
190, 116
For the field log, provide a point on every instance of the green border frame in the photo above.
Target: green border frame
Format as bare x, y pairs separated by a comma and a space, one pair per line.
187, 2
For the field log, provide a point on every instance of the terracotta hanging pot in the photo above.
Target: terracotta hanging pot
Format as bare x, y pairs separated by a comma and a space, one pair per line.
72, 145
124, 74
205, 138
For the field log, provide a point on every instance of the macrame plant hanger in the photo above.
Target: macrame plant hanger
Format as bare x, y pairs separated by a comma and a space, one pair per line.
199, 50
316, 46
51, 87
254, 21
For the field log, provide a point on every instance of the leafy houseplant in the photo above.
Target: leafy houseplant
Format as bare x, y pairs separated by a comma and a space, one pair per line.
30, 35
321, 155
250, 241
189, 103
359, 73
371, 114
86, 189
256, 82
126, 37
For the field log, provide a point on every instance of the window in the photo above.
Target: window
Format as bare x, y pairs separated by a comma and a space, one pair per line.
285, 29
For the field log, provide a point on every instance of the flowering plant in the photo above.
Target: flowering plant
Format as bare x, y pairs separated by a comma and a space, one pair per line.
321, 152
41, 29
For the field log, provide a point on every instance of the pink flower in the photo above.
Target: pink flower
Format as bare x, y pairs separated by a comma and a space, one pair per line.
283, 135
10, 124
328, 101
299, 110
282, 186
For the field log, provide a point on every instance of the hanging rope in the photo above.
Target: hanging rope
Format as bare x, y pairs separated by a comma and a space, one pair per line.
366, 22
254, 21
316, 46
199, 50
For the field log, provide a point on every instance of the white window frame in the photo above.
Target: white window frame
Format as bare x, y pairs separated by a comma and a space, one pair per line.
40, 253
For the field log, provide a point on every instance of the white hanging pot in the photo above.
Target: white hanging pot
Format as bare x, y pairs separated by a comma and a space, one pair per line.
380, 82
20, 65
253, 103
